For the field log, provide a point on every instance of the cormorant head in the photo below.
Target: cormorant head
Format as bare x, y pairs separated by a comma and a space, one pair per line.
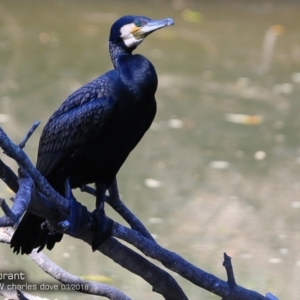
129, 31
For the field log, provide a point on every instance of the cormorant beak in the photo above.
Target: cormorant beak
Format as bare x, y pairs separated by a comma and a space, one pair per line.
153, 25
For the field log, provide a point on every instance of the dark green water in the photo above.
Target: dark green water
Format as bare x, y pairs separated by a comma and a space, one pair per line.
223, 156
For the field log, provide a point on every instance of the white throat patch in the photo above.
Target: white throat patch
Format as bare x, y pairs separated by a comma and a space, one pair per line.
128, 37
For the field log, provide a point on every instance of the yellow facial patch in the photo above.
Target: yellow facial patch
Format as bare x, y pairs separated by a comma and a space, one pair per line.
135, 29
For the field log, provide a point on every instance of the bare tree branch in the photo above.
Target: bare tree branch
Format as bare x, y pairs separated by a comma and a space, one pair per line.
29, 133
229, 270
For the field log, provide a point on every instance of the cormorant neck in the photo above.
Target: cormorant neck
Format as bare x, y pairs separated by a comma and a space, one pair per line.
135, 71
116, 50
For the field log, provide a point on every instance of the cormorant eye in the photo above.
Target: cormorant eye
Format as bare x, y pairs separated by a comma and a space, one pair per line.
137, 23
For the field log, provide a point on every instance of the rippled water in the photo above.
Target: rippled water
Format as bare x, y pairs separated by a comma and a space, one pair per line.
220, 168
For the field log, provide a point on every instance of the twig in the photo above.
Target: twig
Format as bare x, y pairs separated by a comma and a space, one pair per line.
28, 134
115, 202
229, 270
182, 267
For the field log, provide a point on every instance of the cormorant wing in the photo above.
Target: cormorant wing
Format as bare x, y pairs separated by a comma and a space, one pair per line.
81, 116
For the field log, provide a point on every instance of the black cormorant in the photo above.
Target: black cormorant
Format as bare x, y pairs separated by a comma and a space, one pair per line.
91, 134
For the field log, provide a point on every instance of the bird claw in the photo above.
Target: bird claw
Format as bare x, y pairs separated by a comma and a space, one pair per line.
64, 225
78, 213
79, 216
102, 227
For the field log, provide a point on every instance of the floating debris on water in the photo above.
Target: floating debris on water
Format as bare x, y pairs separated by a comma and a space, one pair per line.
219, 165
175, 123
4, 118
66, 254
152, 183
244, 119
260, 155
274, 260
